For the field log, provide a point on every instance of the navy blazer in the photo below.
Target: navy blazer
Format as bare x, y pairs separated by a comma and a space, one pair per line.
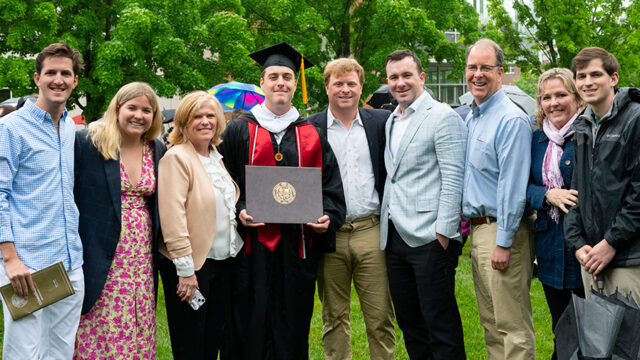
97, 195
373, 121
557, 265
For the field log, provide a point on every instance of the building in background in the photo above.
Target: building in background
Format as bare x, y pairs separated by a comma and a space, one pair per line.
438, 75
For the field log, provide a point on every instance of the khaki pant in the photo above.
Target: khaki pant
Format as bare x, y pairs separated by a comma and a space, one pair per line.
625, 279
358, 257
504, 304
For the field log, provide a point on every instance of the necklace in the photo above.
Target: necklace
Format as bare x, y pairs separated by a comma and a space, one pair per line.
278, 155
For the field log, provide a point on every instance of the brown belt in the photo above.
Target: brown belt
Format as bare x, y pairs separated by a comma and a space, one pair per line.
348, 224
482, 220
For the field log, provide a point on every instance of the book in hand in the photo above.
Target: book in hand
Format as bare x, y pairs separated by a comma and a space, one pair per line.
52, 284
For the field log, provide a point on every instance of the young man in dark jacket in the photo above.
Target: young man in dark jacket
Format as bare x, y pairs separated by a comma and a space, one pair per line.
604, 227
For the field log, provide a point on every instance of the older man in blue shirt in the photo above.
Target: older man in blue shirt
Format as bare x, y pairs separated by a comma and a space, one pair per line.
495, 182
38, 217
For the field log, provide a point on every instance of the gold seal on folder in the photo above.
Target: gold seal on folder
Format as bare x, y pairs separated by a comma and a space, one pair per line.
284, 193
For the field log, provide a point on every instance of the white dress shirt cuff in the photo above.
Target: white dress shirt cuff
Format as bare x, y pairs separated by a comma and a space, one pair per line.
184, 265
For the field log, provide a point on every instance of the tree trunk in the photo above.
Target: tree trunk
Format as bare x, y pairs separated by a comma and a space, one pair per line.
345, 36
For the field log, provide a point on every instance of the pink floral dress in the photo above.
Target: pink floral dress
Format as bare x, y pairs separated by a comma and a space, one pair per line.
122, 323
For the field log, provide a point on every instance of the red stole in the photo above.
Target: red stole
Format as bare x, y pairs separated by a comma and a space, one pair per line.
261, 153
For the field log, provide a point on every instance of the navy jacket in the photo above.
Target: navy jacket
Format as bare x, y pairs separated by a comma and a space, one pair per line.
557, 265
97, 195
374, 121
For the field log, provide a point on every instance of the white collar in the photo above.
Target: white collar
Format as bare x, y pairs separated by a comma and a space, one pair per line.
411, 108
272, 122
214, 156
332, 119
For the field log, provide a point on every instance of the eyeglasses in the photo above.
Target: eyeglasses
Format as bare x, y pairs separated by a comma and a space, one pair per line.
483, 68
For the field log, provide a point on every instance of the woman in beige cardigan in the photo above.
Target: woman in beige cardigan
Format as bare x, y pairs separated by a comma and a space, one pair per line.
197, 199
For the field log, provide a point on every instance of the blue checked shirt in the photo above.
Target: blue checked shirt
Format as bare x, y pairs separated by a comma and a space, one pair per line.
37, 211
497, 167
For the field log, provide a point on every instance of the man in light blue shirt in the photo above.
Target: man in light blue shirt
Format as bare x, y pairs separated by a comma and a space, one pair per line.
495, 182
38, 216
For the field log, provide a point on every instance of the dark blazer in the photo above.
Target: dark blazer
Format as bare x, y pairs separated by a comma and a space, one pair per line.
557, 265
97, 195
374, 121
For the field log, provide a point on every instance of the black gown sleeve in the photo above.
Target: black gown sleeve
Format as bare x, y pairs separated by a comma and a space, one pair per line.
234, 151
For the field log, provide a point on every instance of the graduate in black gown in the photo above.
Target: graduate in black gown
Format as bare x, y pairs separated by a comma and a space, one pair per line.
275, 276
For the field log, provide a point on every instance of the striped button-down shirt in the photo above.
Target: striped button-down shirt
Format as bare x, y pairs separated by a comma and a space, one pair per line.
37, 210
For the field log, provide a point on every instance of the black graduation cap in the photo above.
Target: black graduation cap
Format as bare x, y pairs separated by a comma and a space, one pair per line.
280, 55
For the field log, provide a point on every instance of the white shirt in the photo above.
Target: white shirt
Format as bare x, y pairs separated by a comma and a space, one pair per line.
226, 241
401, 122
276, 124
351, 149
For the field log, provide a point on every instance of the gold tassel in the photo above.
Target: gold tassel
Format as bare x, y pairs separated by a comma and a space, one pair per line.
304, 83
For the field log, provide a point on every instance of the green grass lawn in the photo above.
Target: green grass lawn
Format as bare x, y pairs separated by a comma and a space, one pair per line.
473, 333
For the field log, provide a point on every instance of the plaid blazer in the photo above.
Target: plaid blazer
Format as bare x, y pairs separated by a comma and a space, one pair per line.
423, 190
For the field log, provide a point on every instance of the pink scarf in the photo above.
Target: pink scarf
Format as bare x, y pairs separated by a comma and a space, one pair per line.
551, 175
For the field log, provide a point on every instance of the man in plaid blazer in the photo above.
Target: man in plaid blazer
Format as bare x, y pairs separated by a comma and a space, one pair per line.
420, 213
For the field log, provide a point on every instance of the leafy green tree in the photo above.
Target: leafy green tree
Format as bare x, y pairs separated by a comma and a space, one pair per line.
367, 30
175, 46
528, 83
502, 29
559, 29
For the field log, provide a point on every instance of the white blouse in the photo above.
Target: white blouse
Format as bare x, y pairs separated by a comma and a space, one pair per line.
226, 241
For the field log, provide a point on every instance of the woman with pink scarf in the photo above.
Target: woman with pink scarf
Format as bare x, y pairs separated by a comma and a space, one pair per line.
558, 104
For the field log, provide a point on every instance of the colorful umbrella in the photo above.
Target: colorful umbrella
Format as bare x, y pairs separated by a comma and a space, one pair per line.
79, 119
236, 95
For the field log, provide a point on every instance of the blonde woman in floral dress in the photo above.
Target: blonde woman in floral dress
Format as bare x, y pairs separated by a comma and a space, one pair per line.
115, 191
